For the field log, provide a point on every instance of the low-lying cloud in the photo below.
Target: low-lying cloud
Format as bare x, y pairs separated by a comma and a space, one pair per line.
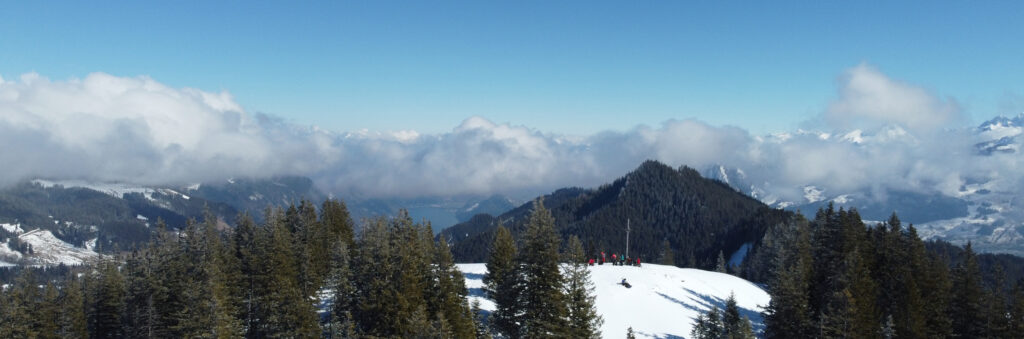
880, 133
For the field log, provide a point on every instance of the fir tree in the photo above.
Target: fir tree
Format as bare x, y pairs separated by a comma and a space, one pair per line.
503, 284
734, 326
140, 310
720, 266
451, 291
340, 324
542, 294
1017, 308
223, 281
483, 331
966, 308
107, 302
375, 309
788, 313
49, 312
584, 321
20, 312
708, 325
247, 245
288, 312
667, 256
73, 321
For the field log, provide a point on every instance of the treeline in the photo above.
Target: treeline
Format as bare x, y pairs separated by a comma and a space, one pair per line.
834, 276
299, 274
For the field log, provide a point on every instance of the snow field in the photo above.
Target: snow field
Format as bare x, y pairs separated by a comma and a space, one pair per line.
663, 302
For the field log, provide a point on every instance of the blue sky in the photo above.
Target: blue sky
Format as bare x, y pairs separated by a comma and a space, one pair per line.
568, 67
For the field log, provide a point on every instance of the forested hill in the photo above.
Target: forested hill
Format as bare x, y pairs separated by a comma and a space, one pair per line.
698, 218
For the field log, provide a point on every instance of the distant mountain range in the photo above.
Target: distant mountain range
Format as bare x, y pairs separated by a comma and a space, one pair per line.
983, 211
67, 221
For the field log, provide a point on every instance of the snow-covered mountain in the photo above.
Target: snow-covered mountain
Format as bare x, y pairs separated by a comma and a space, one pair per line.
663, 302
984, 209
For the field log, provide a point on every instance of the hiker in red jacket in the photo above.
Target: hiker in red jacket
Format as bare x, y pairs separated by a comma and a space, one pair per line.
614, 260
602, 258
637, 262
591, 263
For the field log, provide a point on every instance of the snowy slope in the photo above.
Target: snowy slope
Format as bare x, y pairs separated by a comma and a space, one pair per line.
48, 250
662, 303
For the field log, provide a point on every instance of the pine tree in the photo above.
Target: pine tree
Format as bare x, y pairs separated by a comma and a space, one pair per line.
584, 321
503, 284
223, 279
248, 244
937, 287
966, 308
720, 263
73, 321
479, 320
374, 303
1017, 308
788, 313
49, 312
667, 256
451, 291
542, 295
341, 324
709, 325
140, 311
107, 302
20, 314
290, 313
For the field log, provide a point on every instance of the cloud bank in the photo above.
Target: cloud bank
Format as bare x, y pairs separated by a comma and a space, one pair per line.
880, 133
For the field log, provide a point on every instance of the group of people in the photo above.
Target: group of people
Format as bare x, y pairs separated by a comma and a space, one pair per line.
616, 259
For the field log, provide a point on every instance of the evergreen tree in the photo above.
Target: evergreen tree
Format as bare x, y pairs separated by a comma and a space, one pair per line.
503, 284
483, 331
788, 313
667, 256
374, 270
630, 334
20, 314
288, 312
720, 263
140, 310
584, 321
451, 291
709, 325
340, 324
48, 312
542, 294
734, 326
1017, 308
335, 217
73, 321
248, 243
937, 290
223, 281
107, 302
966, 308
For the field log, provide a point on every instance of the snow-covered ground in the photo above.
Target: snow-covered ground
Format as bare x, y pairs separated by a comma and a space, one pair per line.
48, 250
13, 228
663, 302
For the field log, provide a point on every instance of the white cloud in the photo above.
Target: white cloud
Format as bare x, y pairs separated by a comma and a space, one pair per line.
135, 129
869, 99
